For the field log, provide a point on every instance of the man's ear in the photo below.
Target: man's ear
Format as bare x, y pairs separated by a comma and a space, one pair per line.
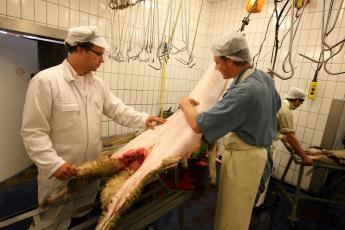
229, 61
80, 50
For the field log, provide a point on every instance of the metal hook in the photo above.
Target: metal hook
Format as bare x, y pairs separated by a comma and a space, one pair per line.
160, 65
143, 59
131, 57
280, 76
177, 49
112, 5
190, 59
288, 56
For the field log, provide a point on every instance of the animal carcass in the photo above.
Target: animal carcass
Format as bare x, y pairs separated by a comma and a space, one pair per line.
171, 142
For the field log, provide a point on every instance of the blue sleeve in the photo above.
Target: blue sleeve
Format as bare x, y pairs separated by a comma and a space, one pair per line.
225, 116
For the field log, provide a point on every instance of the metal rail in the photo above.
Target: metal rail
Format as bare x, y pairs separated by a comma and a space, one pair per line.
135, 219
295, 196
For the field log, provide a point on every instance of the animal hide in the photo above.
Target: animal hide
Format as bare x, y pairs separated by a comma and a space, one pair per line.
169, 142
333, 157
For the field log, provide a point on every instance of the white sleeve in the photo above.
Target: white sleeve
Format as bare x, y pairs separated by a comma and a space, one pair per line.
120, 113
35, 126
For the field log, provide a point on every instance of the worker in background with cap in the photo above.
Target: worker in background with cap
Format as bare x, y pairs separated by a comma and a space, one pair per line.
286, 132
246, 118
292, 101
62, 122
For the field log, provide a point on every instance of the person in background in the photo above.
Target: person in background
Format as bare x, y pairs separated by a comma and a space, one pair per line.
293, 100
246, 118
62, 121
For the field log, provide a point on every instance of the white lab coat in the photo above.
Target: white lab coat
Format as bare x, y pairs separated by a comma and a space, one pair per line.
62, 121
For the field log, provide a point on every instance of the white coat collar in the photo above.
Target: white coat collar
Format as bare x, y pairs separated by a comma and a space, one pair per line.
290, 104
72, 74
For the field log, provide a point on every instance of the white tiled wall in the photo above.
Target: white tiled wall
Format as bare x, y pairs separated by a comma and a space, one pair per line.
310, 119
134, 82
139, 85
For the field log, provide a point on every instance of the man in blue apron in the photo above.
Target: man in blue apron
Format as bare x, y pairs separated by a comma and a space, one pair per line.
246, 118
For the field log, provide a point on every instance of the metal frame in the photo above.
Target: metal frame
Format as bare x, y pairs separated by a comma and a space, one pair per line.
296, 196
135, 219
35, 211
328, 140
30, 28
146, 214
333, 121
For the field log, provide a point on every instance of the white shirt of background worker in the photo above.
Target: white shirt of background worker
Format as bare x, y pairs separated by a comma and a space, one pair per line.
62, 120
293, 100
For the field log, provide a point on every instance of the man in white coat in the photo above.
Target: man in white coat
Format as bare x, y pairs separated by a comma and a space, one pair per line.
62, 121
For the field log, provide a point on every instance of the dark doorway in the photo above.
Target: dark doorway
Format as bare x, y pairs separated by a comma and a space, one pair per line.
50, 54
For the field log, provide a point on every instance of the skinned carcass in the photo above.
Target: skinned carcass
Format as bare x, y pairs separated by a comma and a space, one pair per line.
141, 158
171, 141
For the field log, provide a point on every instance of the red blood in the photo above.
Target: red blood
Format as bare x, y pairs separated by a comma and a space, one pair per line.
133, 158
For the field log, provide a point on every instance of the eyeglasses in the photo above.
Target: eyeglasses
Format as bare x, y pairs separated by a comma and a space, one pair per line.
99, 54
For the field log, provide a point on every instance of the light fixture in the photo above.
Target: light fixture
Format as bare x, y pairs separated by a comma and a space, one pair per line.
31, 37
254, 6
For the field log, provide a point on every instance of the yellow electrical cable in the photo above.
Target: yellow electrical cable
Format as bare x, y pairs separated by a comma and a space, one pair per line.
162, 88
164, 60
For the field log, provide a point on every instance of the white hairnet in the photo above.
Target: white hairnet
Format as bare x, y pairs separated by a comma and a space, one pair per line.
77, 35
295, 93
232, 46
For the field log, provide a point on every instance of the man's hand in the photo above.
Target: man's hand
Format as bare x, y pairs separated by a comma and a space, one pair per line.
295, 145
65, 172
187, 106
307, 161
269, 72
152, 121
188, 101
